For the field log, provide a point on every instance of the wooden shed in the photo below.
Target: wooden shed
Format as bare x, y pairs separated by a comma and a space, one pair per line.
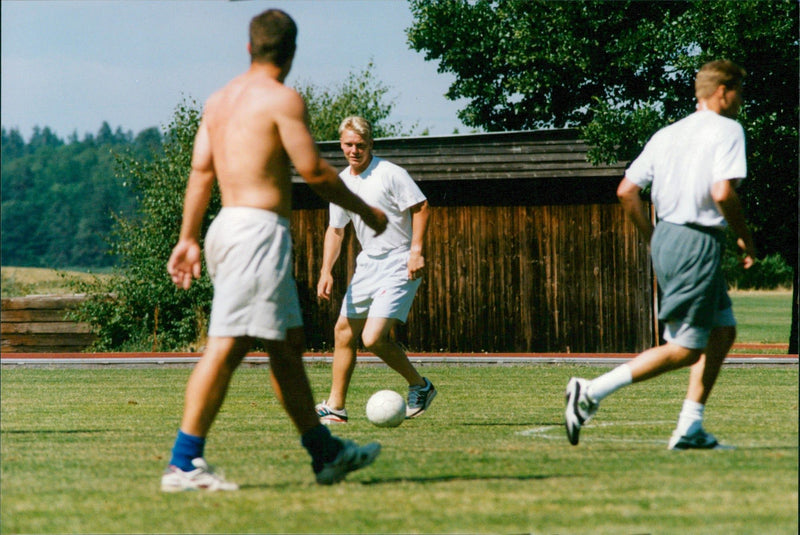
528, 249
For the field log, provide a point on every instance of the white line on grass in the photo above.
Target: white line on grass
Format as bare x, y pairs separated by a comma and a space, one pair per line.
546, 432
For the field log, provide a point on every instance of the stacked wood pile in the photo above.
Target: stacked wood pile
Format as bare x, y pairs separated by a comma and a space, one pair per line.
40, 324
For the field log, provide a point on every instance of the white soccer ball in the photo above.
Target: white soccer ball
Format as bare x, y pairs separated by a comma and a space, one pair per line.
386, 408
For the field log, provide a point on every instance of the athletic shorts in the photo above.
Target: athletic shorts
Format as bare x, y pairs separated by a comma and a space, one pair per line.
380, 288
694, 295
249, 257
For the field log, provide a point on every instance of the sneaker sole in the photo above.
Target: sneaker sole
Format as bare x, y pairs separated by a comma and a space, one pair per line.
180, 488
684, 446
331, 420
170, 488
572, 422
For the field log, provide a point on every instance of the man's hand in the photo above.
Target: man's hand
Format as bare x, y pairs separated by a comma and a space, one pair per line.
416, 266
184, 263
749, 254
375, 219
324, 287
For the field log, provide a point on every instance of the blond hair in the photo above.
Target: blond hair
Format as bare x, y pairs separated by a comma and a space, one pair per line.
357, 124
716, 73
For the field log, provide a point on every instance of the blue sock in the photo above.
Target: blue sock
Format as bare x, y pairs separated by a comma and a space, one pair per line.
186, 448
321, 445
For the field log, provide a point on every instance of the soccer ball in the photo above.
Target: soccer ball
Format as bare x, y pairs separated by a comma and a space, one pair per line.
386, 408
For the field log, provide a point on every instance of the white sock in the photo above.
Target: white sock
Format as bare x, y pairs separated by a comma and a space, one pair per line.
691, 417
607, 384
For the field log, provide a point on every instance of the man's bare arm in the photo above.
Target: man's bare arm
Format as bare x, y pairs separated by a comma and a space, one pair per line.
184, 262
724, 194
318, 173
628, 195
419, 227
330, 253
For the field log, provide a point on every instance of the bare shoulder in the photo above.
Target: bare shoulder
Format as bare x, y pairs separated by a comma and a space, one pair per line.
213, 103
282, 98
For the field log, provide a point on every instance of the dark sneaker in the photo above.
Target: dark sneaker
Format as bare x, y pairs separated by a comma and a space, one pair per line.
202, 477
699, 440
580, 408
330, 416
419, 399
351, 458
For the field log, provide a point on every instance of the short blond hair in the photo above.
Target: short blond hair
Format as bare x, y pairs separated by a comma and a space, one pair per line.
357, 124
716, 73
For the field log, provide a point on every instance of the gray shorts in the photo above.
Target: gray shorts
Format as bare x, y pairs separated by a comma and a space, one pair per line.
249, 257
693, 292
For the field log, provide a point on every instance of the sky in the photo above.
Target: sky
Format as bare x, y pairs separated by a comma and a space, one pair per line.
73, 64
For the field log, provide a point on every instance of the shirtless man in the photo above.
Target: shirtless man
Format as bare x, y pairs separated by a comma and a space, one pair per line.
250, 130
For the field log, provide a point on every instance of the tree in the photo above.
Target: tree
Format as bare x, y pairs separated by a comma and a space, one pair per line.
58, 199
146, 310
12, 144
621, 70
359, 94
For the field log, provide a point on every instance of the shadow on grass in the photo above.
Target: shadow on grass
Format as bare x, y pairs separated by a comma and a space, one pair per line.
396, 480
446, 479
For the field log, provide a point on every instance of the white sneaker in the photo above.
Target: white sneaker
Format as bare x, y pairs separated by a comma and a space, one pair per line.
328, 415
351, 458
202, 477
579, 410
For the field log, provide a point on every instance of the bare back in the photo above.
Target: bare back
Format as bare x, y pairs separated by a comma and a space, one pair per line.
245, 125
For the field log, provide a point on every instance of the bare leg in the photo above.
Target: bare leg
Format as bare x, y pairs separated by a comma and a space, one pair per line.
704, 373
346, 334
661, 359
376, 336
290, 381
646, 365
208, 383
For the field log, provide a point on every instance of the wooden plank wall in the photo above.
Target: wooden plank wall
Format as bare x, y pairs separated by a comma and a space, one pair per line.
39, 324
507, 279
528, 249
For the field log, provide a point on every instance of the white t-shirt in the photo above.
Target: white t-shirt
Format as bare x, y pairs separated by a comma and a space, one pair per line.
386, 186
683, 160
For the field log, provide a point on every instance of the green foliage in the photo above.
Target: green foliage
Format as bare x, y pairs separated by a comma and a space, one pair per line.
58, 199
768, 273
621, 70
359, 94
140, 307
536, 64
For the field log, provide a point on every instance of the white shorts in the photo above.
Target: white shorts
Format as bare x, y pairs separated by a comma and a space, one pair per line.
380, 288
249, 257
692, 337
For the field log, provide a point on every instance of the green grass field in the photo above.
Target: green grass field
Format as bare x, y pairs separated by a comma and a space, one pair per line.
764, 316
21, 281
83, 450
